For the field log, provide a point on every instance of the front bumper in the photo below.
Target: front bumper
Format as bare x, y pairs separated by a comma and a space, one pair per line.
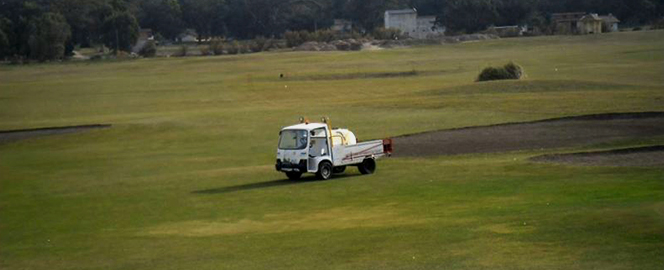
291, 167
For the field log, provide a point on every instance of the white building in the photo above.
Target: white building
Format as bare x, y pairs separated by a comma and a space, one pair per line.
410, 24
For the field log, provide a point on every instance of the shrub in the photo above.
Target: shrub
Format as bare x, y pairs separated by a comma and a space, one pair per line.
205, 51
181, 52
216, 46
659, 24
233, 47
638, 28
293, 39
324, 35
510, 71
270, 44
149, 49
389, 33
514, 70
297, 38
260, 44
244, 48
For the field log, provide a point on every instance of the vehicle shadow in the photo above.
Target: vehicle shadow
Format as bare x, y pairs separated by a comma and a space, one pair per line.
269, 184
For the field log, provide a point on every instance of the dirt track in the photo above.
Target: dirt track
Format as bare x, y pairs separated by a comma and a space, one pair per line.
551, 133
15, 135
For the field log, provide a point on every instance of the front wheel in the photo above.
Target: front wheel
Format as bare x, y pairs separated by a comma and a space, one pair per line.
368, 166
324, 170
293, 175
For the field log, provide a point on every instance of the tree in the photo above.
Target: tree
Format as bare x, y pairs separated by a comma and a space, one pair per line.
468, 15
48, 35
162, 16
5, 29
84, 18
120, 31
206, 16
514, 12
368, 14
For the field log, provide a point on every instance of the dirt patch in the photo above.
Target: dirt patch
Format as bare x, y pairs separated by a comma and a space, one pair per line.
367, 75
8, 136
652, 156
545, 134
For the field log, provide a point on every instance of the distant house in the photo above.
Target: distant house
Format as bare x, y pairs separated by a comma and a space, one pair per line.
582, 23
609, 23
144, 35
566, 23
426, 27
403, 19
188, 36
410, 24
590, 24
342, 25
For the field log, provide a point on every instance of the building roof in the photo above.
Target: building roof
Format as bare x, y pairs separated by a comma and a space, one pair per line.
609, 18
570, 16
591, 17
505, 27
401, 11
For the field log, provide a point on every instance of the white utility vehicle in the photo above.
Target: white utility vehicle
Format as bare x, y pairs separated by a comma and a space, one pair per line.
317, 148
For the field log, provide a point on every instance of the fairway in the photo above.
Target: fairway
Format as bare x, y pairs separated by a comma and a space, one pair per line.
185, 179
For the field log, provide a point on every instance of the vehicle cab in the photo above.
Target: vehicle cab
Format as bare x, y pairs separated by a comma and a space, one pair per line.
302, 148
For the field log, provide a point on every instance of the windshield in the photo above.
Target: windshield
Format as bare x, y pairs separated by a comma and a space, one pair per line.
293, 139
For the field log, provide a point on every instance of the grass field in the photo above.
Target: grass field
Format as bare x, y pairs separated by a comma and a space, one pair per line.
185, 180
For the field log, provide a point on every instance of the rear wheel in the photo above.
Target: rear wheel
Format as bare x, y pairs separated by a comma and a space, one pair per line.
293, 175
339, 169
324, 170
368, 166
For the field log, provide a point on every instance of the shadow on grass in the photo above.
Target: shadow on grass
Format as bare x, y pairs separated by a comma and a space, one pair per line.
269, 184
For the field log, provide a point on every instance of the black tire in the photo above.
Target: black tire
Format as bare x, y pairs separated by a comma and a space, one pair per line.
339, 169
293, 175
368, 166
324, 170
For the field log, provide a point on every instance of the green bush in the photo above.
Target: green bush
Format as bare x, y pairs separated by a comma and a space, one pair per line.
293, 38
244, 47
233, 47
216, 46
514, 70
387, 34
182, 51
510, 71
149, 49
297, 38
659, 24
260, 44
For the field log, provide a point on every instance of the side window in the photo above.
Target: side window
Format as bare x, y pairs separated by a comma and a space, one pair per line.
319, 132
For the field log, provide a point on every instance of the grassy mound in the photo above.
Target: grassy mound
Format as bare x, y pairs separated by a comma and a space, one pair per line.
510, 71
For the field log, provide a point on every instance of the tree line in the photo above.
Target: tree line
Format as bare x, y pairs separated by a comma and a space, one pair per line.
46, 29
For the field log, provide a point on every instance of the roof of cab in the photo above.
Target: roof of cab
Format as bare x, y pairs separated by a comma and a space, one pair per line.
310, 126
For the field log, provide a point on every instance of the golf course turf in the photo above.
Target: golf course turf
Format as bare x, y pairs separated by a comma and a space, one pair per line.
184, 178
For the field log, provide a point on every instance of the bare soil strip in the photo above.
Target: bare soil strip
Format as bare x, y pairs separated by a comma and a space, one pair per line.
7, 136
640, 157
544, 134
